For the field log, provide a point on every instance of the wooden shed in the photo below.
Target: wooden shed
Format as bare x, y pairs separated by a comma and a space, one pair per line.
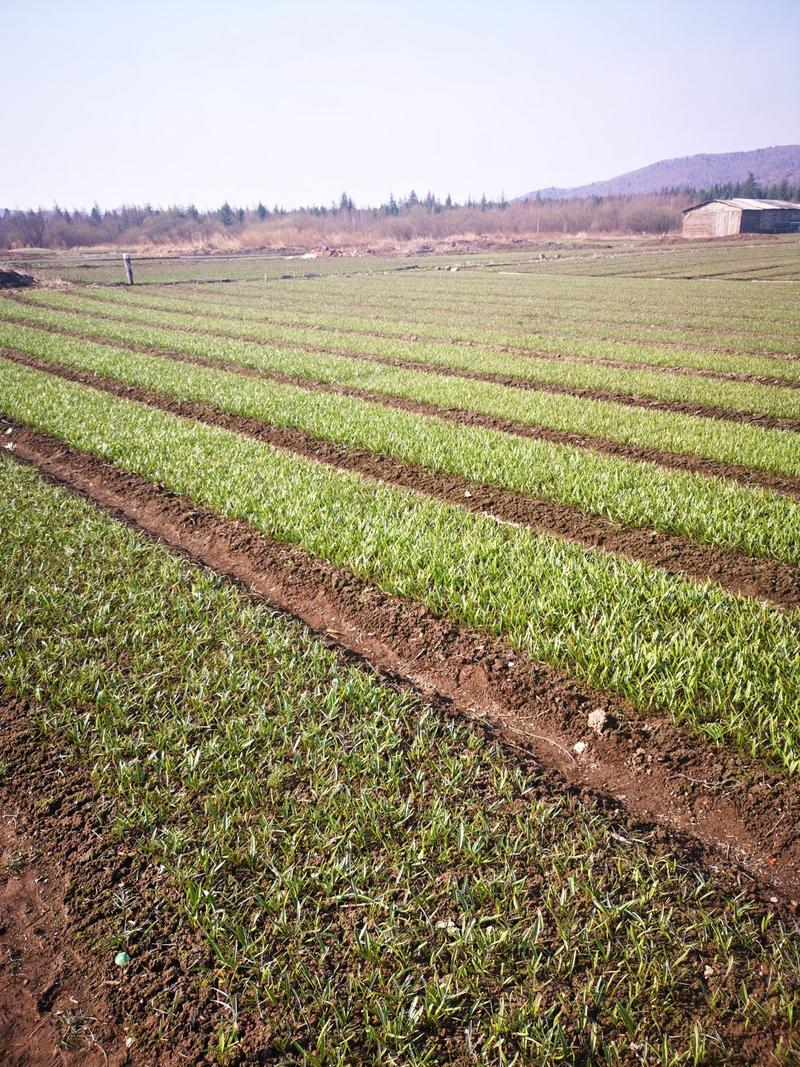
721, 218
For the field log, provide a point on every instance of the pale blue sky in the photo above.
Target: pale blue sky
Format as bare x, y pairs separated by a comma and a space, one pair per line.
291, 102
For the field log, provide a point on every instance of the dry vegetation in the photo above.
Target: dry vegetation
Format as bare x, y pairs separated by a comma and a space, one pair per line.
392, 226
387, 228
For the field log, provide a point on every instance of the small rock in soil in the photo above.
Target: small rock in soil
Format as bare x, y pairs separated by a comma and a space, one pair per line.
598, 720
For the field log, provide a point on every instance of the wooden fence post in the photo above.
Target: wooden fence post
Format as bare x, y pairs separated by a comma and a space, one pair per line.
126, 259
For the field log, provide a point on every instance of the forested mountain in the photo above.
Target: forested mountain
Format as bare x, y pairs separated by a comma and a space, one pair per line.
770, 167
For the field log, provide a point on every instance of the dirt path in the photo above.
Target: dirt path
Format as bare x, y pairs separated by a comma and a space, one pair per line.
765, 579
653, 778
71, 893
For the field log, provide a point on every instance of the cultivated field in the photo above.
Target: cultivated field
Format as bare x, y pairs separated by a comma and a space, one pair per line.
401, 665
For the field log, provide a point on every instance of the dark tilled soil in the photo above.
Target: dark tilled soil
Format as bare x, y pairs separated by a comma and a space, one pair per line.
708, 803
766, 579
625, 399
68, 890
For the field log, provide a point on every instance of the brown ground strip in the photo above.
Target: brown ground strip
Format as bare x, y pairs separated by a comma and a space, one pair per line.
72, 893
708, 411
766, 579
648, 773
747, 476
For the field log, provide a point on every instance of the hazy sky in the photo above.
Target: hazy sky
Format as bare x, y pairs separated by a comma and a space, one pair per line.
292, 102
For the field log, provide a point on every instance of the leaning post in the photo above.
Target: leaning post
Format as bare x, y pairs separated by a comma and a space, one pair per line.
126, 259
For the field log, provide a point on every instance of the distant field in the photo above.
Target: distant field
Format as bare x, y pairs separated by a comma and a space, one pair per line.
108, 269
469, 730
774, 258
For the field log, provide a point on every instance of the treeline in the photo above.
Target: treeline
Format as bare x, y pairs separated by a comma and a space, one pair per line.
134, 224
784, 190
395, 223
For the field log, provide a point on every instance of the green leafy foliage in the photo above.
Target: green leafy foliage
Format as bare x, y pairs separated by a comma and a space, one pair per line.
771, 450
727, 665
736, 396
377, 882
754, 521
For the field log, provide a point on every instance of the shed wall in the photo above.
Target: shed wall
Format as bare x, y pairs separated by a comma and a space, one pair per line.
723, 220
781, 220
752, 221
712, 220
774, 220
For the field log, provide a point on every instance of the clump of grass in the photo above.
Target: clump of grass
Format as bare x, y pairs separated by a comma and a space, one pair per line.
13, 861
74, 1030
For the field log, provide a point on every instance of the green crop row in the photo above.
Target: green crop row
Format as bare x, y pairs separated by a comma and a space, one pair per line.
725, 442
712, 263
746, 397
707, 310
728, 666
715, 307
375, 881
536, 314
376, 307
539, 329
757, 522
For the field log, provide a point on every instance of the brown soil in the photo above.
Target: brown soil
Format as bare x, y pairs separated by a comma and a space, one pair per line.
770, 580
68, 888
747, 476
708, 411
709, 802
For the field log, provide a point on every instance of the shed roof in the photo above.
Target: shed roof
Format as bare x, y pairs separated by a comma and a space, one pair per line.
747, 204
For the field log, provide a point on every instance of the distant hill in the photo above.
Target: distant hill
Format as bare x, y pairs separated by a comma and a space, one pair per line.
768, 165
